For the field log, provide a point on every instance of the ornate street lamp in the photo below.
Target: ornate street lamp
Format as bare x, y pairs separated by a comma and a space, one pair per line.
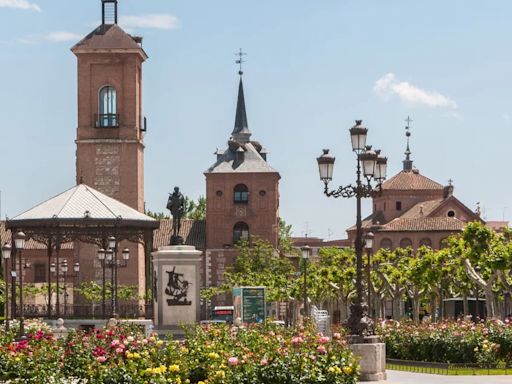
19, 243
371, 166
368, 244
109, 258
62, 269
306, 252
6, 255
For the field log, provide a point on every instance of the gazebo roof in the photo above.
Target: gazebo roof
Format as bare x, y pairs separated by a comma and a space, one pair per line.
83, 203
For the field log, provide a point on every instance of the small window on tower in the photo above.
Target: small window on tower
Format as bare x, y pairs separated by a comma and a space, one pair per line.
107, 116
398, 205
241, 194
240, 232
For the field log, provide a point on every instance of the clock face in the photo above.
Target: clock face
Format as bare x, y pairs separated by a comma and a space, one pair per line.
241, 211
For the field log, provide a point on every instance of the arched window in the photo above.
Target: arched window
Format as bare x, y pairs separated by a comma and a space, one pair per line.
386, 243
426, 242
240, 232
443, 243
241, 194
406, 242
107, 116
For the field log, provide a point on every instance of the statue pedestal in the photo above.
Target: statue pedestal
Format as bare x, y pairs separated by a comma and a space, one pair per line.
372, 355
176, 284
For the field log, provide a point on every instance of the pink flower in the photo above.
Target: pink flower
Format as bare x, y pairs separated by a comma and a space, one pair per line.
324, 340
114, 343
297, 340
101, 359
120, 350
337, 336
321, 349
233, 361
264, 362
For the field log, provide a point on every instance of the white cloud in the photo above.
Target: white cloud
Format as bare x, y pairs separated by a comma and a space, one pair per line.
62, 36
21, 4
157, 21
388, 85
52, 37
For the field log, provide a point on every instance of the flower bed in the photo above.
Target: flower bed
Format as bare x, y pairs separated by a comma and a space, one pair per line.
487, 344
209, 355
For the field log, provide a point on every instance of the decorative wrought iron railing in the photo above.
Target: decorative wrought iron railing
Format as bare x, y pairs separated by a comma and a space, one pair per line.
107, 120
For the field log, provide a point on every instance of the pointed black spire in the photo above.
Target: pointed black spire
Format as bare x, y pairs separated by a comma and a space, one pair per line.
241, 131
408, 162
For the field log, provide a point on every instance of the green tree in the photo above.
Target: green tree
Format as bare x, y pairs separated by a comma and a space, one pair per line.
195, 210
258, 264
285, 244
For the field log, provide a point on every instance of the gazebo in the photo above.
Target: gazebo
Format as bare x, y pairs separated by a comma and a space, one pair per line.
95, 224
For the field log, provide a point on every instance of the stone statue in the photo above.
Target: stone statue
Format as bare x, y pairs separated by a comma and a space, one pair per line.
176, 204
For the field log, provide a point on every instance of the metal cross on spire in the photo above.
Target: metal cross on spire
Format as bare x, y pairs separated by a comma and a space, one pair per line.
240, 60
408, 162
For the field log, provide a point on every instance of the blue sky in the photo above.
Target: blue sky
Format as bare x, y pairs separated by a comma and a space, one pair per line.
312, 68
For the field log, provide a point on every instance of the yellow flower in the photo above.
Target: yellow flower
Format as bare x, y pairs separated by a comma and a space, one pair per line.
174, 368
136, 355
220, 374
347, 370
331, 370
129, 355
159, 342
213, 355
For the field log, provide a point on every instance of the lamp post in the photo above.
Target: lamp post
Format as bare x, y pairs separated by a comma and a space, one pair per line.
19, 242
368, 244
6, 255
306, 252
62, 270
370, 165
109, 259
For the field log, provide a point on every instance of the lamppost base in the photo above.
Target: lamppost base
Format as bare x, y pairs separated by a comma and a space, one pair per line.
372, 355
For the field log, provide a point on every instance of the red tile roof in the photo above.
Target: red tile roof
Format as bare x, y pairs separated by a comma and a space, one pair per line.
192, 231
411, 180
424, 224
423, 208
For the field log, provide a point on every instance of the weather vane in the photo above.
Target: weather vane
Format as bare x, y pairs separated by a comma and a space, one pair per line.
240, 60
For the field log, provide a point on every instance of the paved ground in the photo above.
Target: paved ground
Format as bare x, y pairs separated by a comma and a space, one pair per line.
398, 377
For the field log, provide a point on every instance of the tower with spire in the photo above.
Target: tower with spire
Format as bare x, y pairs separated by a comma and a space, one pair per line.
242, 194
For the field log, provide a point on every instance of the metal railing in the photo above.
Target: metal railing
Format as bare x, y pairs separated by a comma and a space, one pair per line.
88, 311
447, 368
107, 120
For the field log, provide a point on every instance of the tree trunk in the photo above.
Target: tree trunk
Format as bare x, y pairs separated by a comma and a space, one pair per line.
416, 306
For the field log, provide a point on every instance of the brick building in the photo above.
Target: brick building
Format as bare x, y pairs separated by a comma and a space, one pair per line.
242, 197
413, 210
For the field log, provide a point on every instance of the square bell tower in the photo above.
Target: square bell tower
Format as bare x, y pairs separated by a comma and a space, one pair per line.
110, 132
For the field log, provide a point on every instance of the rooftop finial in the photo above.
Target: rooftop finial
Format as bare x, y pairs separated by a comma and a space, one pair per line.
240, 60
108, 12
241, 132
408, 162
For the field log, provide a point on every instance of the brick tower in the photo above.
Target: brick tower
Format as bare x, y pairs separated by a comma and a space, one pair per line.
110, 132
110, 148
242, 197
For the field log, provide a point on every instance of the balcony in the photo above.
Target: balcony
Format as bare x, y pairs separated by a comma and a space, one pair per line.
108, 120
